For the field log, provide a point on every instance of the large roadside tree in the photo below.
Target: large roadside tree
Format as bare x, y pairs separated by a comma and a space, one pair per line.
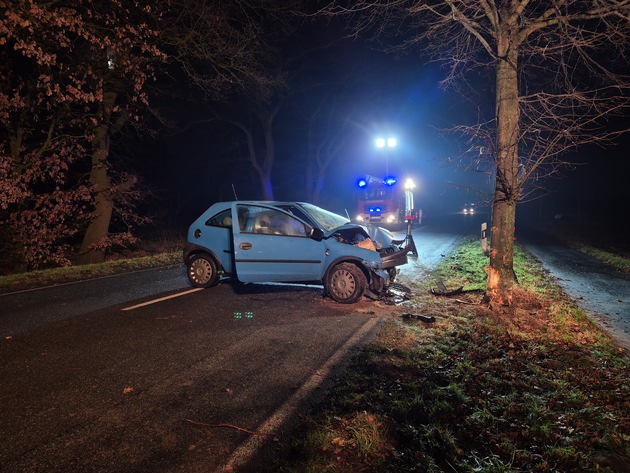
115, 56
73, 74
42, 203
558, 69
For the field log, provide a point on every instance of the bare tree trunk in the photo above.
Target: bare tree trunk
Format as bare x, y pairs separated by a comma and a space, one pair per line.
310, 163
270, 155
507, 191
263, 171
319, 184
98, 229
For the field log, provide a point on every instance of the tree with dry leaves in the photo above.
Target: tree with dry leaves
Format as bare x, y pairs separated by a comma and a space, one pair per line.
558, 70
116, 57
73, 75
42, 204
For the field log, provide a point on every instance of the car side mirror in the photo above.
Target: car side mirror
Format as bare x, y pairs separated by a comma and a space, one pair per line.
316, 234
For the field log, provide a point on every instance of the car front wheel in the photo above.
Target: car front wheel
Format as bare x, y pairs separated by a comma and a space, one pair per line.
202, 271
346, 283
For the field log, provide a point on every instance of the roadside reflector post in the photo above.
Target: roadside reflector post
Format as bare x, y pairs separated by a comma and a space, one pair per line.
484, 238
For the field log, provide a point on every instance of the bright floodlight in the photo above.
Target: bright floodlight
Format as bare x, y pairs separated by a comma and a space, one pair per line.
409, 184
382, 142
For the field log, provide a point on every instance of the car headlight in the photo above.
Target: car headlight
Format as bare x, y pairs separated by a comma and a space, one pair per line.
360, 218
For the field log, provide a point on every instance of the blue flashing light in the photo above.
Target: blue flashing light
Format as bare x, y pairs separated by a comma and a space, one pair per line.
390, 180
374, 209
362, 183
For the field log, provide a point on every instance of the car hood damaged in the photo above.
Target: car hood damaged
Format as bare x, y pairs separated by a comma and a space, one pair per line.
373, 238
356, 235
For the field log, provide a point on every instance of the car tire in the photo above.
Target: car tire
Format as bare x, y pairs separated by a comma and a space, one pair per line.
346, 283
202, 271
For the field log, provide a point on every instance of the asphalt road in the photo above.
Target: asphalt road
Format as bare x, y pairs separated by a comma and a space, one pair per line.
601, 290
122, 390
139, 373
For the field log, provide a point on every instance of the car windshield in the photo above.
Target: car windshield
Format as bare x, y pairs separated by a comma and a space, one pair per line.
327, 220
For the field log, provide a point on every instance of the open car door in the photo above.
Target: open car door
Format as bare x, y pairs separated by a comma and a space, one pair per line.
273, 245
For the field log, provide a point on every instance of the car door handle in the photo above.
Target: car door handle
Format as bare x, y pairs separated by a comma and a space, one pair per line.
245, 246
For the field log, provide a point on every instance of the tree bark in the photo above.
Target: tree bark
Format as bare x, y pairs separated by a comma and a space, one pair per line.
270, 155
98, 229
500, 271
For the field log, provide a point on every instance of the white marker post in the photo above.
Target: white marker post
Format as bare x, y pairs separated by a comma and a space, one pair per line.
484, 238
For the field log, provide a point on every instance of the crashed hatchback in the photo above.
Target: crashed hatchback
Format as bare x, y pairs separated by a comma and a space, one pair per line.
295, 242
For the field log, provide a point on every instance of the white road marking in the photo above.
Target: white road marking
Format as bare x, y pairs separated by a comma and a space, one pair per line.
246, 450
155, 301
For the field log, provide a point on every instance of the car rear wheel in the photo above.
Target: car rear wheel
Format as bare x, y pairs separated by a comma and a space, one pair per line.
202, 271
346, 283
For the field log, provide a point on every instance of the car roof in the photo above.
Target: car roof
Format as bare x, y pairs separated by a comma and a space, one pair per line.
273, 203
266, 202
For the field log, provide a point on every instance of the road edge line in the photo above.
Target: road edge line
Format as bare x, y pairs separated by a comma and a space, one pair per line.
246, 450
155, 301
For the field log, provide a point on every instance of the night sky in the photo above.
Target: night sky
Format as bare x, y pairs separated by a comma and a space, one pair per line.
397, 96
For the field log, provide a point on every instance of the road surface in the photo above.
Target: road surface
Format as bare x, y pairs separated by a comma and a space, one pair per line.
140, 373
601, 290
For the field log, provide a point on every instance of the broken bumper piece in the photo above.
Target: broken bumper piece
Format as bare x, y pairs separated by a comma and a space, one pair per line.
398, 258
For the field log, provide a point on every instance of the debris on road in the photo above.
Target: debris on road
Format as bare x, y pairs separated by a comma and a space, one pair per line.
443, 291
424, 318
396, 294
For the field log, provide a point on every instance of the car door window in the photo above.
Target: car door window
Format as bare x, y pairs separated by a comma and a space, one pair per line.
266, 221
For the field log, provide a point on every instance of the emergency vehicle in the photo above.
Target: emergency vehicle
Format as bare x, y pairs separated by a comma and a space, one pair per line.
383, 201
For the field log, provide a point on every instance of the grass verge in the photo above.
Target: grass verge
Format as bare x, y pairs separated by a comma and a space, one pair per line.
535, 387
609, 245
48, 277
620, 262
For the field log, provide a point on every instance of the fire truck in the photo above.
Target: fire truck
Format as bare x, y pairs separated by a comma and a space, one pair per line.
385, 202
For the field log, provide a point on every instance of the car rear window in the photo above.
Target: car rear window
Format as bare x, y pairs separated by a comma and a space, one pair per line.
222, 219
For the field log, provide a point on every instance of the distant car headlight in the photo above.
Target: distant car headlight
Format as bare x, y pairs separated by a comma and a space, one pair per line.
391, 218
360, 218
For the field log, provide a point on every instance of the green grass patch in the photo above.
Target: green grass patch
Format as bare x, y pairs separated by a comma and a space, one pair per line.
47, 277
621, 262
605, 242
535, 387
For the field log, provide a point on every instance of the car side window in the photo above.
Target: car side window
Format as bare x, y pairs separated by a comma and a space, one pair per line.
222, 219
293, 210
269, 222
